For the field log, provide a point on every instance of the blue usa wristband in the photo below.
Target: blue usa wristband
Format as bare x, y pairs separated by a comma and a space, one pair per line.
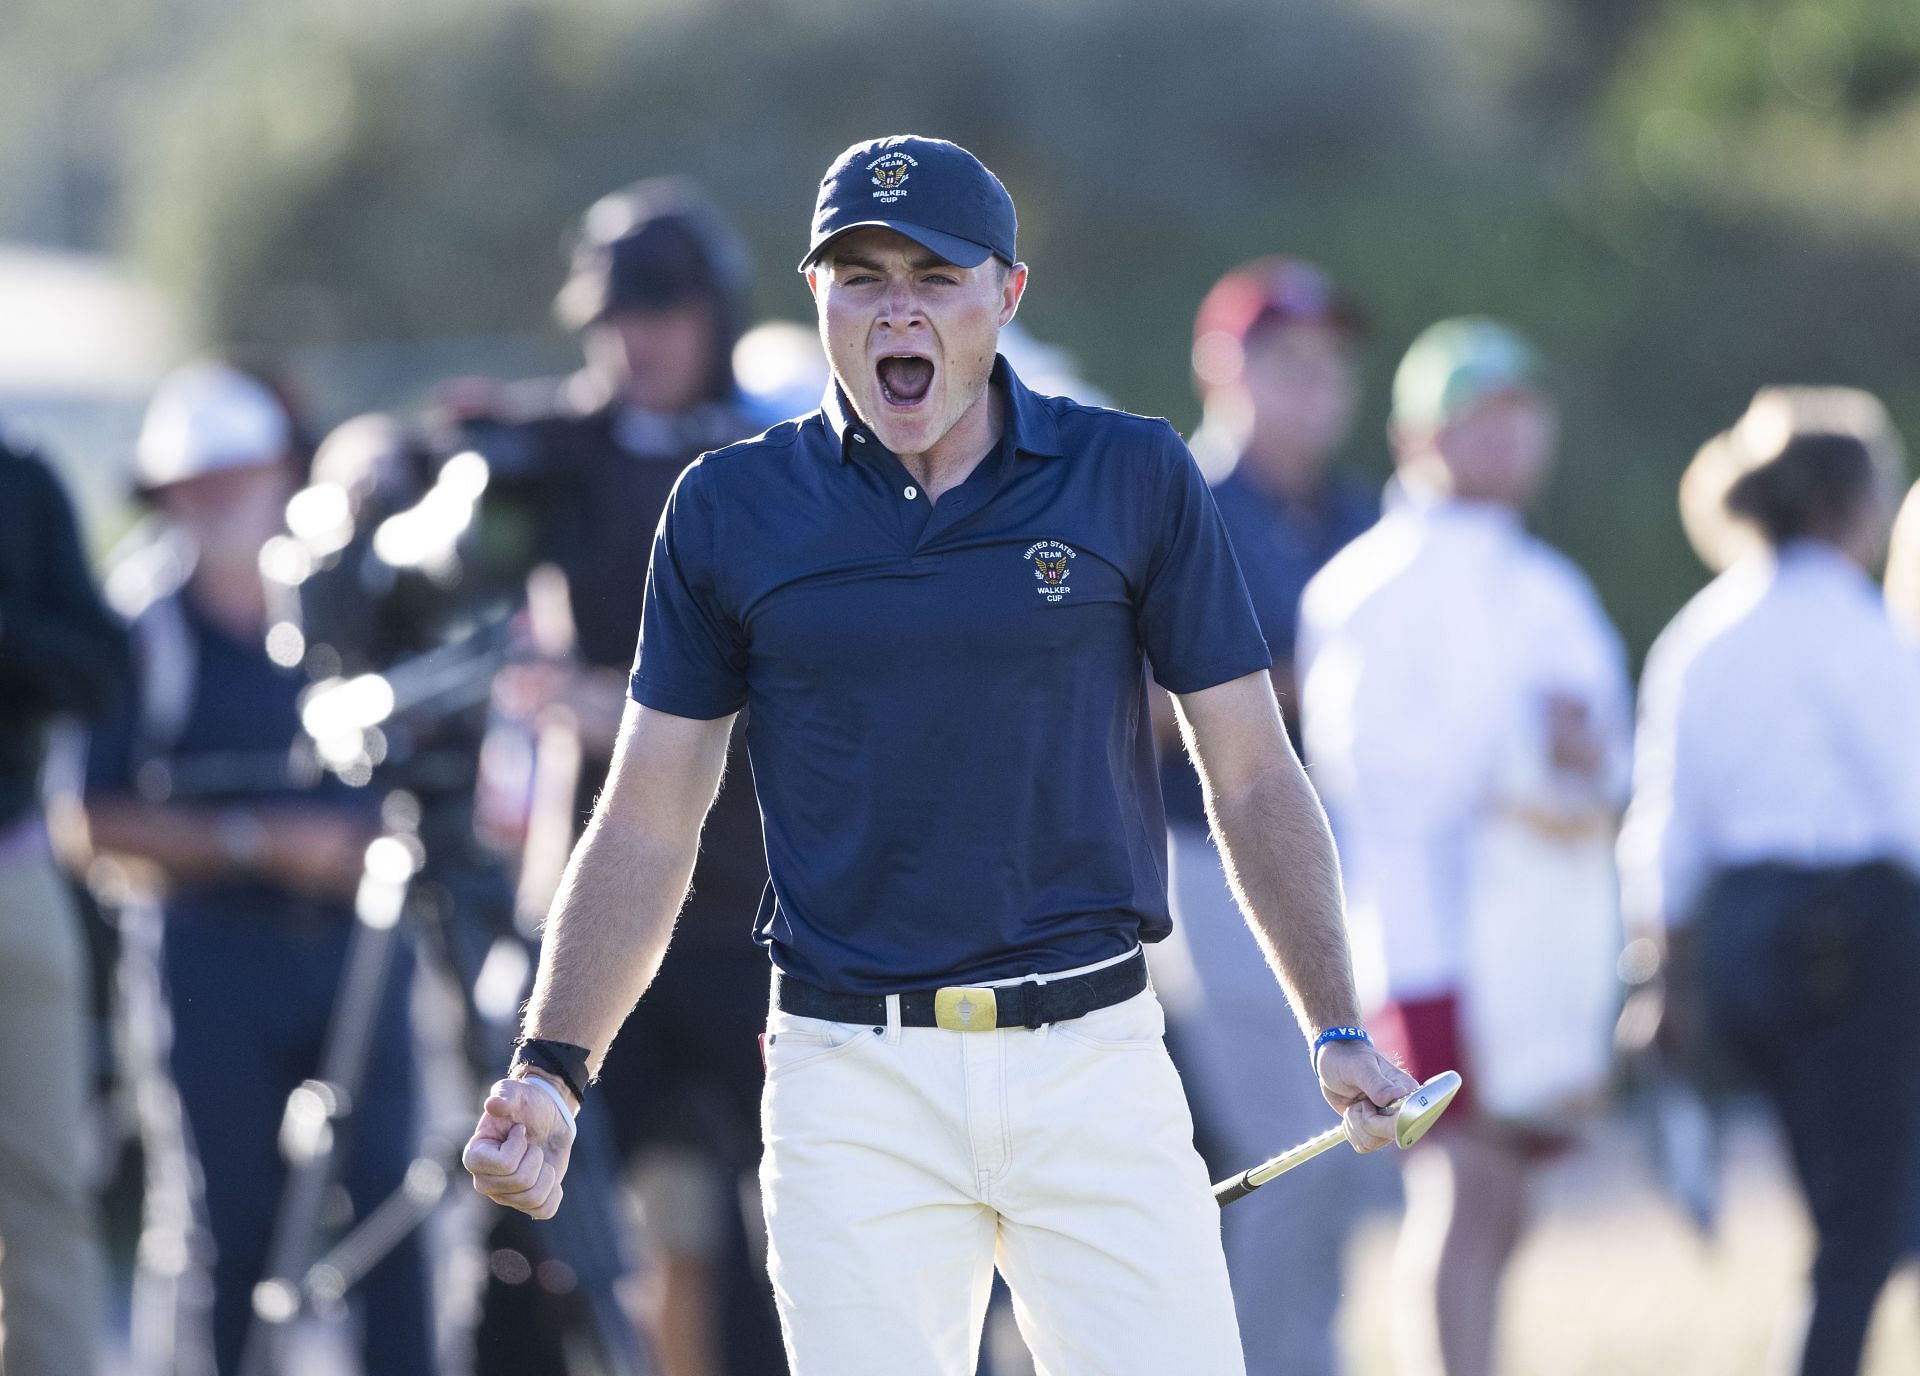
1336, 1034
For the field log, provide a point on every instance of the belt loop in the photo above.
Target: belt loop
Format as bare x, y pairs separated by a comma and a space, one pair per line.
893, 1019
1032, 985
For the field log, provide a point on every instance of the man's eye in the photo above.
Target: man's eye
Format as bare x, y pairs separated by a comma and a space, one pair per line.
858, 279
941, 279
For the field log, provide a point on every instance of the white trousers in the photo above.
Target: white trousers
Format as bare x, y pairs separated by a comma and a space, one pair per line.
903, 1164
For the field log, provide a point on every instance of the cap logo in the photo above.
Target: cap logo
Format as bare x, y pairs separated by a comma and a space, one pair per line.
889, 174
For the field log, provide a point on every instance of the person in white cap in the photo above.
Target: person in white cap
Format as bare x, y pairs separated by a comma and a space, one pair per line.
1464, 701
205, 786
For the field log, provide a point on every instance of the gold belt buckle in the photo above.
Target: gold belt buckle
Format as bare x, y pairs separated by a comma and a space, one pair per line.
965, 1010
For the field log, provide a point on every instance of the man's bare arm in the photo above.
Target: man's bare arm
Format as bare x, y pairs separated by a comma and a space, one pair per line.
1277, 846
1280, 861
604, 940
624, 885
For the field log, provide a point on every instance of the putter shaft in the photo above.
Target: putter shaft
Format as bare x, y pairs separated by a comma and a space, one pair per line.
1413, 1115
1251, 1179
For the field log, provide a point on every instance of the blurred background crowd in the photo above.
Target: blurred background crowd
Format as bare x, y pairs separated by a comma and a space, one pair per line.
1550, 362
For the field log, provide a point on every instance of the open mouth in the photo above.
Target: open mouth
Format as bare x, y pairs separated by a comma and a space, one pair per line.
905, 379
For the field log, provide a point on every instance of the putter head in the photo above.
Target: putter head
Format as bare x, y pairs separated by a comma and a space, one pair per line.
1421, 1109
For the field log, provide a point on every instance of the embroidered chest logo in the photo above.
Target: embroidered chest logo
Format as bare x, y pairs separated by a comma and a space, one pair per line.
1049, 559
890, 174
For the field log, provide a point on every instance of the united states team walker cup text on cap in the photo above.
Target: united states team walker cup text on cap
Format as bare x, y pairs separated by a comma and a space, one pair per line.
935, 192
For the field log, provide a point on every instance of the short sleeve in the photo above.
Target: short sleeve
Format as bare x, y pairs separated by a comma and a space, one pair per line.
692, 659
1196, 620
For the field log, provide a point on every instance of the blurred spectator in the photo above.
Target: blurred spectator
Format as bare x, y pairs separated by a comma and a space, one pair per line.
1273, 360
1903, 604
60, 652
659, 295
1903, 568
1465, 709
781, 367
1721, 540
1047, 368
1774, 837
205, 783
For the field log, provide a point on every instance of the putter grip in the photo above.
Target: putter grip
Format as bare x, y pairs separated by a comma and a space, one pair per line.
1239, 1187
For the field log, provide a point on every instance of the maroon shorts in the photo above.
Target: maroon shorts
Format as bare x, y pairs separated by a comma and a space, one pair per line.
1423, 1035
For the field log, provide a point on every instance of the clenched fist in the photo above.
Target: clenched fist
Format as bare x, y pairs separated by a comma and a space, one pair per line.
1360, 1084
518, 1152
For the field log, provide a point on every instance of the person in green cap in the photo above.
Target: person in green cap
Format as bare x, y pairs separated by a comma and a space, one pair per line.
1465, 707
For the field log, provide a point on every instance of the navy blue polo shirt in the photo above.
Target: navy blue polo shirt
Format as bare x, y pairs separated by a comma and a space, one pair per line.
946, 703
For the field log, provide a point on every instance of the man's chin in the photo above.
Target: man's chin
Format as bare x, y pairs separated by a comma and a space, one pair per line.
904, 429
916, 436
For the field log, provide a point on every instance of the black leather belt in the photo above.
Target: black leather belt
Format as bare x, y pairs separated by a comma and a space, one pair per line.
974, 1008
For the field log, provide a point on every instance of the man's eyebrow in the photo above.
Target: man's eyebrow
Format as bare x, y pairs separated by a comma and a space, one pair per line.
917, 261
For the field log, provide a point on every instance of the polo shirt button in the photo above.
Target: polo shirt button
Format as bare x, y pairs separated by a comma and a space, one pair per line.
911, 493
859, 438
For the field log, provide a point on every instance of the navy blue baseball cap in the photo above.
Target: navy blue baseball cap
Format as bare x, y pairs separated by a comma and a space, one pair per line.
936, 193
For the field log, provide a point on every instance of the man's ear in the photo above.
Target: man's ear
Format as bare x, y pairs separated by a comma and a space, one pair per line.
1011, 291
813, 281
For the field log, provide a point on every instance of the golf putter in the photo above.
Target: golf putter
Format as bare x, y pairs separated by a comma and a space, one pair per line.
1412, 1116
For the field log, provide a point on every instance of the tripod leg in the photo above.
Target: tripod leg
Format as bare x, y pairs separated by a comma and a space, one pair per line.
584, 1241
172, 1285
317, 1112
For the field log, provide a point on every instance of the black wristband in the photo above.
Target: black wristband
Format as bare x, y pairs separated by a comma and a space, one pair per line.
563, 1060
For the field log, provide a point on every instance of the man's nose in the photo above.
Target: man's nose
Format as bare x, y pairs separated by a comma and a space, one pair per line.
900, 308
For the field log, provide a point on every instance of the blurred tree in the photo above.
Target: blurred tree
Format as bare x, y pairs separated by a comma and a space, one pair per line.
1680, 199
1777, 105
407, 179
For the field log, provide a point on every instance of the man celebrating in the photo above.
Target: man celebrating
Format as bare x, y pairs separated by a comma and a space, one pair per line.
936, 594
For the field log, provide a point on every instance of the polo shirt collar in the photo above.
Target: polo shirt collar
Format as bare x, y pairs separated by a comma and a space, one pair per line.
1030, 425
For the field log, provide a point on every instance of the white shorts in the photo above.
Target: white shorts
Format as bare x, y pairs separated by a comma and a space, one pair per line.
903, 1164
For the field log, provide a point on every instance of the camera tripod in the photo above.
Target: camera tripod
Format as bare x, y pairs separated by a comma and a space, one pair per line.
580, 1259
413, 875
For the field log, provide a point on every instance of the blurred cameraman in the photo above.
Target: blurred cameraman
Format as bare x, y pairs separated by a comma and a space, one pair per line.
59, 652
658, 293
204, 784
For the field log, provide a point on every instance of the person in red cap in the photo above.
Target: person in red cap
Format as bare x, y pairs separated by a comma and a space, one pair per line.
1274, 347
1274, 363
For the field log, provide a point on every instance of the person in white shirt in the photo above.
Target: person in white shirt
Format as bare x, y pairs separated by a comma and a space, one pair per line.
1773, 841
1902, 583
1460, 681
